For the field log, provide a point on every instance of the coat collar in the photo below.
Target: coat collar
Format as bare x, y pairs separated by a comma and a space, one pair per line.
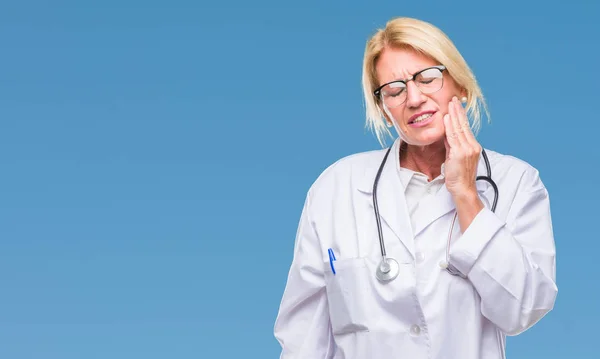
391, 198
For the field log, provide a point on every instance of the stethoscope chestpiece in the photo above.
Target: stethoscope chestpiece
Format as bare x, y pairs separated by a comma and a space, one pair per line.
387, 270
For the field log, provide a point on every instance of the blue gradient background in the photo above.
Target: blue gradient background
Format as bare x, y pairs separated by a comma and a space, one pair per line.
154, 158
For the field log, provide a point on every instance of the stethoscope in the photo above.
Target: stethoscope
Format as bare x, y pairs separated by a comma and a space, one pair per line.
388, 268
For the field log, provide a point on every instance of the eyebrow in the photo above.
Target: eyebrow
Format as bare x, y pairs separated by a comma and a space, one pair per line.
411, 75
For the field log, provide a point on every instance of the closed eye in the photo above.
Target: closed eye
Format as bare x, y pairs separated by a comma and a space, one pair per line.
394, 92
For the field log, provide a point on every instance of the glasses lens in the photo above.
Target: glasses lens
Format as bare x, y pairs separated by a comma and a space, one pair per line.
394, 94
430, 80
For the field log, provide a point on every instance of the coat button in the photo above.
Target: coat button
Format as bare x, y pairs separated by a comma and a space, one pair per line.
443, 265
415, 330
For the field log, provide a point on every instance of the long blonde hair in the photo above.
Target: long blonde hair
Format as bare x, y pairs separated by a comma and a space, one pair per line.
429, 40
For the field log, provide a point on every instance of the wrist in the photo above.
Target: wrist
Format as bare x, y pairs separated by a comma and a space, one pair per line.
468, 205
467, 196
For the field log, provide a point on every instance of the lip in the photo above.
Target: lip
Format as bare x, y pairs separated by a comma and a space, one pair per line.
422, 123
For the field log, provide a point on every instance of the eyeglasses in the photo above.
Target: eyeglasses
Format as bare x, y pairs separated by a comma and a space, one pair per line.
429, 80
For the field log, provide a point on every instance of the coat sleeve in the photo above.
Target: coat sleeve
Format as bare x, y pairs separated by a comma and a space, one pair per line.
512, 264
302, 327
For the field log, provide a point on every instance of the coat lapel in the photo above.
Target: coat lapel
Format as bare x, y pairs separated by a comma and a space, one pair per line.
432, 208
390, 197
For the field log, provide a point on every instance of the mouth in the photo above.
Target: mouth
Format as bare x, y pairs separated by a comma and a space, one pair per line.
421, 118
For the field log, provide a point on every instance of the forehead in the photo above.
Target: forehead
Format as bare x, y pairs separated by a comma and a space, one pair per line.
394, 64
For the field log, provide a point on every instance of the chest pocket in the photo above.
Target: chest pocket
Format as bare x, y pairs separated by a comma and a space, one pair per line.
347, 293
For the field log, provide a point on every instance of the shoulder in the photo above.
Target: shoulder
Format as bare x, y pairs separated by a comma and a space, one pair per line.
347, 171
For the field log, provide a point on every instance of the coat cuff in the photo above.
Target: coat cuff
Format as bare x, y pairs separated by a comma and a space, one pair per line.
465, 251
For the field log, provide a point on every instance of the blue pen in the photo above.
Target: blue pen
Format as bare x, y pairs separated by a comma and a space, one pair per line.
331, 259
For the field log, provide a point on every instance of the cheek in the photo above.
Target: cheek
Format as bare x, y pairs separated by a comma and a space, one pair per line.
442, 103
396, 113
444, 98
444, 109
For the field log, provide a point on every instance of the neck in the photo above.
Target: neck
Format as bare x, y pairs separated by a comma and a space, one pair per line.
424, 159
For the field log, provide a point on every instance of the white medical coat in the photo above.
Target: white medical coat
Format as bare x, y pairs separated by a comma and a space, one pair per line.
506, 259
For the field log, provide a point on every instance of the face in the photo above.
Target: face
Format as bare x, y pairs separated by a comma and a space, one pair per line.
419, 119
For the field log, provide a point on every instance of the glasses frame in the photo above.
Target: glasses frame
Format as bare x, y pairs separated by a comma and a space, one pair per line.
442, 68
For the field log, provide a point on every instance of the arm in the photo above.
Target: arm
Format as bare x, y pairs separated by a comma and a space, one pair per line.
302, 326
512, 265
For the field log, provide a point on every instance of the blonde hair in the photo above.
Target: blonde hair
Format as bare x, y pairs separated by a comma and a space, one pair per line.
426, 39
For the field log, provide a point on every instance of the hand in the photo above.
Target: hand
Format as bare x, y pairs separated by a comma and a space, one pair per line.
462, 153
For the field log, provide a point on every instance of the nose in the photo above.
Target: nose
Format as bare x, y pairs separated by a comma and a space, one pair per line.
414, 96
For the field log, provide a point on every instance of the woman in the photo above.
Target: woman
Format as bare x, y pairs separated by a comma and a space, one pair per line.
469, 268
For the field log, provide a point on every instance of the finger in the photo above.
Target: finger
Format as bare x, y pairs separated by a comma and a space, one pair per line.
454, 115
464, 123
451, 135
456, 122
469, 136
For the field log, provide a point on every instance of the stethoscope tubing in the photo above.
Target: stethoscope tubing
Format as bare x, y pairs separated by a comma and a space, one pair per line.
376, 206
385, 263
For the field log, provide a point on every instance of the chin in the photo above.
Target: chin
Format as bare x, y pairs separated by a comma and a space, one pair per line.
426, 138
